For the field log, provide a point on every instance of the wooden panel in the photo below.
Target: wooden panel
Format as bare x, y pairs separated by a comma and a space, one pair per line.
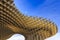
12, 21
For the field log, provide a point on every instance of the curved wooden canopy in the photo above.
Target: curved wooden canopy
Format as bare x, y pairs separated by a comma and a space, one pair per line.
12, 21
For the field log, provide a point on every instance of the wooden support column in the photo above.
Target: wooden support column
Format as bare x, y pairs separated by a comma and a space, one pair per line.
34, 37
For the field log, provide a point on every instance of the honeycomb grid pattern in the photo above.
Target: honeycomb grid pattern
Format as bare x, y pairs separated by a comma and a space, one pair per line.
12, 21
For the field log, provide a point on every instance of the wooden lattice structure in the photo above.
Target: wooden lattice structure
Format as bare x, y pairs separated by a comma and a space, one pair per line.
12, 22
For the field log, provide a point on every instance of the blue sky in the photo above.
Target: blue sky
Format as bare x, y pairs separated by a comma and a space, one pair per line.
49, 9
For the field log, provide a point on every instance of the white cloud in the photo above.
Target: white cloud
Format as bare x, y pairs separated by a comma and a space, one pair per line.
17, 37
55, 37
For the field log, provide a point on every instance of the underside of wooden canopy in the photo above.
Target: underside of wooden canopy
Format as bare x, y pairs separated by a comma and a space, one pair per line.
12, 22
